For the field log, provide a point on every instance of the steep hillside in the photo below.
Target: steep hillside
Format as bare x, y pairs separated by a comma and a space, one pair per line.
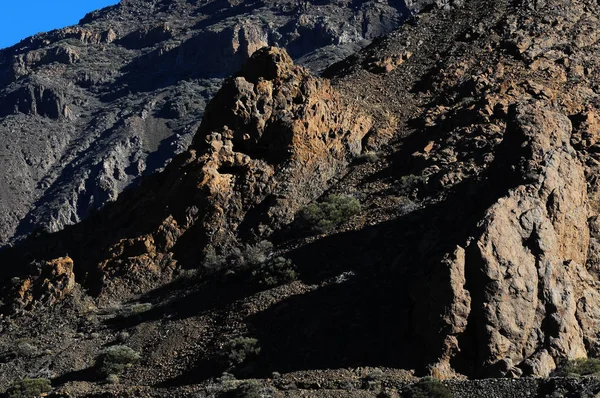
427, 207
87, 110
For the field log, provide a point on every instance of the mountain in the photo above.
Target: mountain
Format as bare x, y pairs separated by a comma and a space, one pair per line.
89, 109
425, 207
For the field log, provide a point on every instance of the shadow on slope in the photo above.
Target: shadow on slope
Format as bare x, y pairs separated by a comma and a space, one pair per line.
381, 295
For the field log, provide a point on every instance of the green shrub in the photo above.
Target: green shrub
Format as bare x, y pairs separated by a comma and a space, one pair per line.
122, 337
257, 254
368, 157
72, 42
580, 367
112, 379
329, 214
239, 258
239, 350
132, 310
189, 275
29, 388
115, 359
214, 261
408, 183
24, 348
137, 308
375, 374
277, 271
406, 205
427, 387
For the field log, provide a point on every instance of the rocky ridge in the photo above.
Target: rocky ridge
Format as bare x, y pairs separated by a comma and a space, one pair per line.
89, 109
288, 134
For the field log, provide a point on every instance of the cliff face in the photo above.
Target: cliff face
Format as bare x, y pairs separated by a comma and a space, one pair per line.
87, 110
503, 277
468, 135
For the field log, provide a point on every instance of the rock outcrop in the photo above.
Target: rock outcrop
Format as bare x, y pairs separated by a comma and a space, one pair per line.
519, 287
499, 259
50, 282
281, 136
39, 99
158, 61
532, 253
273, 139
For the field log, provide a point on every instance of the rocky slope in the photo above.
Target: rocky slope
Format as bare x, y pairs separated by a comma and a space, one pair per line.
506, 282
469, 137
87, 110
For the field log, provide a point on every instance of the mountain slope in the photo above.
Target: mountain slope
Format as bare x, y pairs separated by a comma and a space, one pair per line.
86, 110
469, 137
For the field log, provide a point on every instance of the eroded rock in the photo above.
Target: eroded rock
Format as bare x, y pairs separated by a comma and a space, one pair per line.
131, 57
38, 99
530, 255
52, 281
271, 141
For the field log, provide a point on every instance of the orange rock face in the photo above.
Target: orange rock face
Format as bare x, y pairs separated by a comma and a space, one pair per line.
53, 282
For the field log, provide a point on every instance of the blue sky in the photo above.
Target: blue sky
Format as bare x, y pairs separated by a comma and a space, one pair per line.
22, 18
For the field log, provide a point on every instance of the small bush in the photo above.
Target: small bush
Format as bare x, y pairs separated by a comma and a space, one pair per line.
134, 310
226, 377
406, 205
408, 183
427, 387
122, 337
24, 348
239, 350
189, 275
138, 308
29, 388
329, 214
252, 390
112, 379
239, 258
580, 367
212, 260
257, 254
368, 157
375, 374
72, 42
277, 271
114, 360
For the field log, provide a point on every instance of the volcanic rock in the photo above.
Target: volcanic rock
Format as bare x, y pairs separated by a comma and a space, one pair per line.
117, 96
